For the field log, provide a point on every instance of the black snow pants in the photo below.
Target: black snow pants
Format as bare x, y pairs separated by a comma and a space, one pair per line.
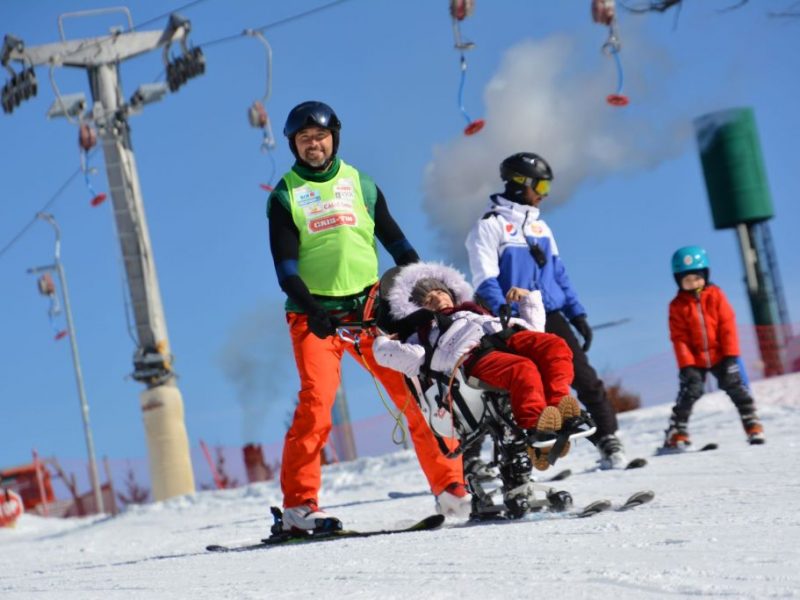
692, 380
590, 389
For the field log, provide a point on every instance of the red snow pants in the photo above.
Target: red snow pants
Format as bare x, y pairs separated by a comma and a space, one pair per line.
319, 367
537, 372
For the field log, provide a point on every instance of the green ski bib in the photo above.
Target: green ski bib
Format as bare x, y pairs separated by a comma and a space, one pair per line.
338, 255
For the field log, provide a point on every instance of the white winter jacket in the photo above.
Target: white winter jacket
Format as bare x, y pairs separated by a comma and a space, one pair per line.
464, 333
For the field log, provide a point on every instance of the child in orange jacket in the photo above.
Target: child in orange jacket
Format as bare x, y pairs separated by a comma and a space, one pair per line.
702, 327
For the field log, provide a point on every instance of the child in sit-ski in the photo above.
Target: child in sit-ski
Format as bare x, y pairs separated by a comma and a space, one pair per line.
702, 327
442, 330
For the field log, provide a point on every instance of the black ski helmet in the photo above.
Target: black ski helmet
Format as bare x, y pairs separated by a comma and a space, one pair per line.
307, 114
525, 169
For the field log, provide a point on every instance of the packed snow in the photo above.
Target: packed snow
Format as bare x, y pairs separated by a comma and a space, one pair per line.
724, 523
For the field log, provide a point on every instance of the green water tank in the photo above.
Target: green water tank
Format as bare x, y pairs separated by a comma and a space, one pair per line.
733, 167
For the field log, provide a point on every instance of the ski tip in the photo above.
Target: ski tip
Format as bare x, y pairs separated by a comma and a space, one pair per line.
432, 522
216, 548
561, 475
642, 496
663, 450
595, 507
637, 499
666, 451
636, 463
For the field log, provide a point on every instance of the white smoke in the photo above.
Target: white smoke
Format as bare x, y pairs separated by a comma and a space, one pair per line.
543, 100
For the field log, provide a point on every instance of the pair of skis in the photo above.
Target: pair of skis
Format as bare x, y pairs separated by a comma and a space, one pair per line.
599, 506
430, 523
636, 463
665, 451
590, 510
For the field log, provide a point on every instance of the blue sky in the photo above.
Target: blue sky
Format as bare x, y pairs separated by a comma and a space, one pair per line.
628, 188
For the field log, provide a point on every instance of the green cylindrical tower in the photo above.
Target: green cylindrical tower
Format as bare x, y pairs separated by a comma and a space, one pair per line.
733, 167
736, 182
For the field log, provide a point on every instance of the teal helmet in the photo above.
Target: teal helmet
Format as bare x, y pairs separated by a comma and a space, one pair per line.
689, 259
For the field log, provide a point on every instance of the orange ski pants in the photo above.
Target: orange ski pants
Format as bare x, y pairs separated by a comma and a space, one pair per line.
319, 367
537, 372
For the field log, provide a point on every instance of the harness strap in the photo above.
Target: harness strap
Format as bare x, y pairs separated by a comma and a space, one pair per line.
443, 322
493, 341
368, 309
465, 411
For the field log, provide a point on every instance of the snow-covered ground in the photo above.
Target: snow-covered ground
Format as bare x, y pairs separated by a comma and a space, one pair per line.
723, 524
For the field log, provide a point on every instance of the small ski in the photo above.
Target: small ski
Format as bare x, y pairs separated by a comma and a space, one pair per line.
590, 510
427, 524
396, 495
560, 476
598, 506
636, 463
636, 499
672, 451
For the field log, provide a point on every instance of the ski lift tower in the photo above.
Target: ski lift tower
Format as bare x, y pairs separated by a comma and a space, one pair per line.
161, 402
737, 187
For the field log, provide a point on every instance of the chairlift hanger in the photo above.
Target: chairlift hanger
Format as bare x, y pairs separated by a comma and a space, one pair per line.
604, 13
257, 113
460, 10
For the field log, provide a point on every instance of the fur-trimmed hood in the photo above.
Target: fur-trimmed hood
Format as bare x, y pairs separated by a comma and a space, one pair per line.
399, 297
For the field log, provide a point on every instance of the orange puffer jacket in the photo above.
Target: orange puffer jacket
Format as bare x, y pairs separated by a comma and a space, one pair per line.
702, 327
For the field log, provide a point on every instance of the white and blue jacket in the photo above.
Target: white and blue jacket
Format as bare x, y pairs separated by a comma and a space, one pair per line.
500, 248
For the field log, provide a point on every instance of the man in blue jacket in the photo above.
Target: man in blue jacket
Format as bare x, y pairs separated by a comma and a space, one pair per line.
512, 247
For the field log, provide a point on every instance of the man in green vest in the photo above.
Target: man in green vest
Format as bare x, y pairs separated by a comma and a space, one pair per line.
325, 218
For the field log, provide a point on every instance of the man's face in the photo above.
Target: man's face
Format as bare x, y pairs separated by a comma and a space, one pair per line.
437, 300
314, 145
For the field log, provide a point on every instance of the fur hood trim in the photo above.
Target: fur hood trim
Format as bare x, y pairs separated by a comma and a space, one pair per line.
399, 298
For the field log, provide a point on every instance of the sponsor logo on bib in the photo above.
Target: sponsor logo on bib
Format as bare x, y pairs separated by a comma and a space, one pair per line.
331, 221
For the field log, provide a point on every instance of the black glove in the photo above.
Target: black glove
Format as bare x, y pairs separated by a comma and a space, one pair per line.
582, 325
410, 323
322, 324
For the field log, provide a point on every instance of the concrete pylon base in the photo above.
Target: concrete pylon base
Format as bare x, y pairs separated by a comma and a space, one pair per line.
167, 442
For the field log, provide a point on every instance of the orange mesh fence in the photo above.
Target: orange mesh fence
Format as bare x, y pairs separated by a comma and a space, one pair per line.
654, 380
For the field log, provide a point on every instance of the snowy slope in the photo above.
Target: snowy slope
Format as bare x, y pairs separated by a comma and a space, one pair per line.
724, 524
